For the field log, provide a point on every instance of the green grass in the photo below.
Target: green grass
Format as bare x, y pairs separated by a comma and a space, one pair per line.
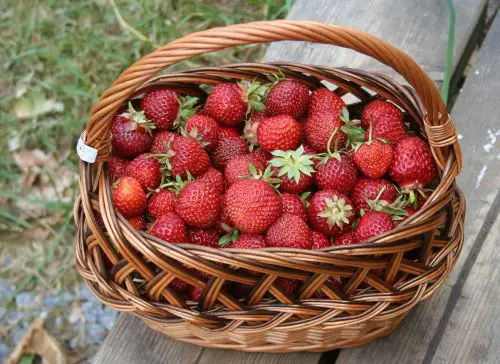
57, 57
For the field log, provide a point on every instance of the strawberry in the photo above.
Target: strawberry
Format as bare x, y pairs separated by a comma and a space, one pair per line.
249, 241
336, 173
413, 165
373, 158
239, 167
188, 155
330, 212
179, 286
319, 241
280, 132
250, 129
373, 223
388, 127
116, 167
160, 203
169, 227
203, 237
131, 133
252, 205
320, 126
129, 197
294, 169
375, 109
161, 142
214, 179
288, 97
289, 231
224, 225
240, 290
293, 204
323, 99
289, 285
162, 107
198, 204
261, 156
227, 132
367, 189
204, 129
146, 170
194, 293
347, 238
137, 222
226, 149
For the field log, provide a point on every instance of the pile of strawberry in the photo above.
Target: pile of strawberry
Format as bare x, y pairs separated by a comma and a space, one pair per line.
265, 165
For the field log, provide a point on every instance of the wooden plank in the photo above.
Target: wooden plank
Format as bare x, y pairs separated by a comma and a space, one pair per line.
211, 356
476, 117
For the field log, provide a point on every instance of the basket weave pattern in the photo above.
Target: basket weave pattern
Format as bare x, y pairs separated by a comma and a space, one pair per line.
131, 270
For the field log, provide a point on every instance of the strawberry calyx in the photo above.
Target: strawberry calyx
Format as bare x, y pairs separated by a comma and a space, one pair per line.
337, 212
395, 209
195, 134
304, 198
355, 133
254, 93
164, 160
230, 237
292, 163
275, 78
138, 119
178, 184
187, 108
409, 195
336, 153
265, 175
370, 138
250, 134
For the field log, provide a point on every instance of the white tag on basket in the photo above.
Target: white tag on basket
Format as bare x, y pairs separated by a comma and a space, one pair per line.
85, 152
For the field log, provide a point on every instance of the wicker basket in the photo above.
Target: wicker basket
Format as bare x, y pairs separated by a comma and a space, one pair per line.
131, 271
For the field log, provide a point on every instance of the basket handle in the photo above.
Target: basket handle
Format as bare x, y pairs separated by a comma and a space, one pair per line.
438, 125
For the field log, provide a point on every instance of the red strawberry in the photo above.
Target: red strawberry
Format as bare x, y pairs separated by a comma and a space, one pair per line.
330, 212
194, 293
288, 97
290, 286
373, 158
373, 223
169, 227
226, 149
375, 109
252, 205
337, 173
323, 99
413, 165
248, 241
347, 238
131, 134
137, 222
289, 231
292, 204
160, 203
250, 129
178, 285
190, 156
205, 128
238, 167
240, 290
116, 167
198, 204
129, 197
389, 127
367, 189
146, 170
261, 156
319, 241
203, 237
280, 132
294, 168
162, 107
162, 141
320, 126
224, 225
214, 179
227, 132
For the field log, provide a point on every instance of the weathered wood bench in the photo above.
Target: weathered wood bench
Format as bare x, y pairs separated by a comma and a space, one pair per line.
460, 323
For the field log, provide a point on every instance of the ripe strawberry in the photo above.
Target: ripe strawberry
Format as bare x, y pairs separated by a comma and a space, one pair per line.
204, 129
413, 165
250, 129
162, 141
289, 285
238, 167
116, 167
198, 204
347, 238
319, 241
252, 205
367, 189
224, 225
213, 178
178, 285
160, 203
323, 99
289, 231
131, 133
330, 212
261, 156
146, 170
280, 132
320, 126
227, 132
129, 197
388, 127
249, 241
373, 223
162, 107
169, 227
188, 155
203, 237
373, 158
294, 169
375, 109
288, 97
292, 204
194, 293
226, 149
137, 222
337, 173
